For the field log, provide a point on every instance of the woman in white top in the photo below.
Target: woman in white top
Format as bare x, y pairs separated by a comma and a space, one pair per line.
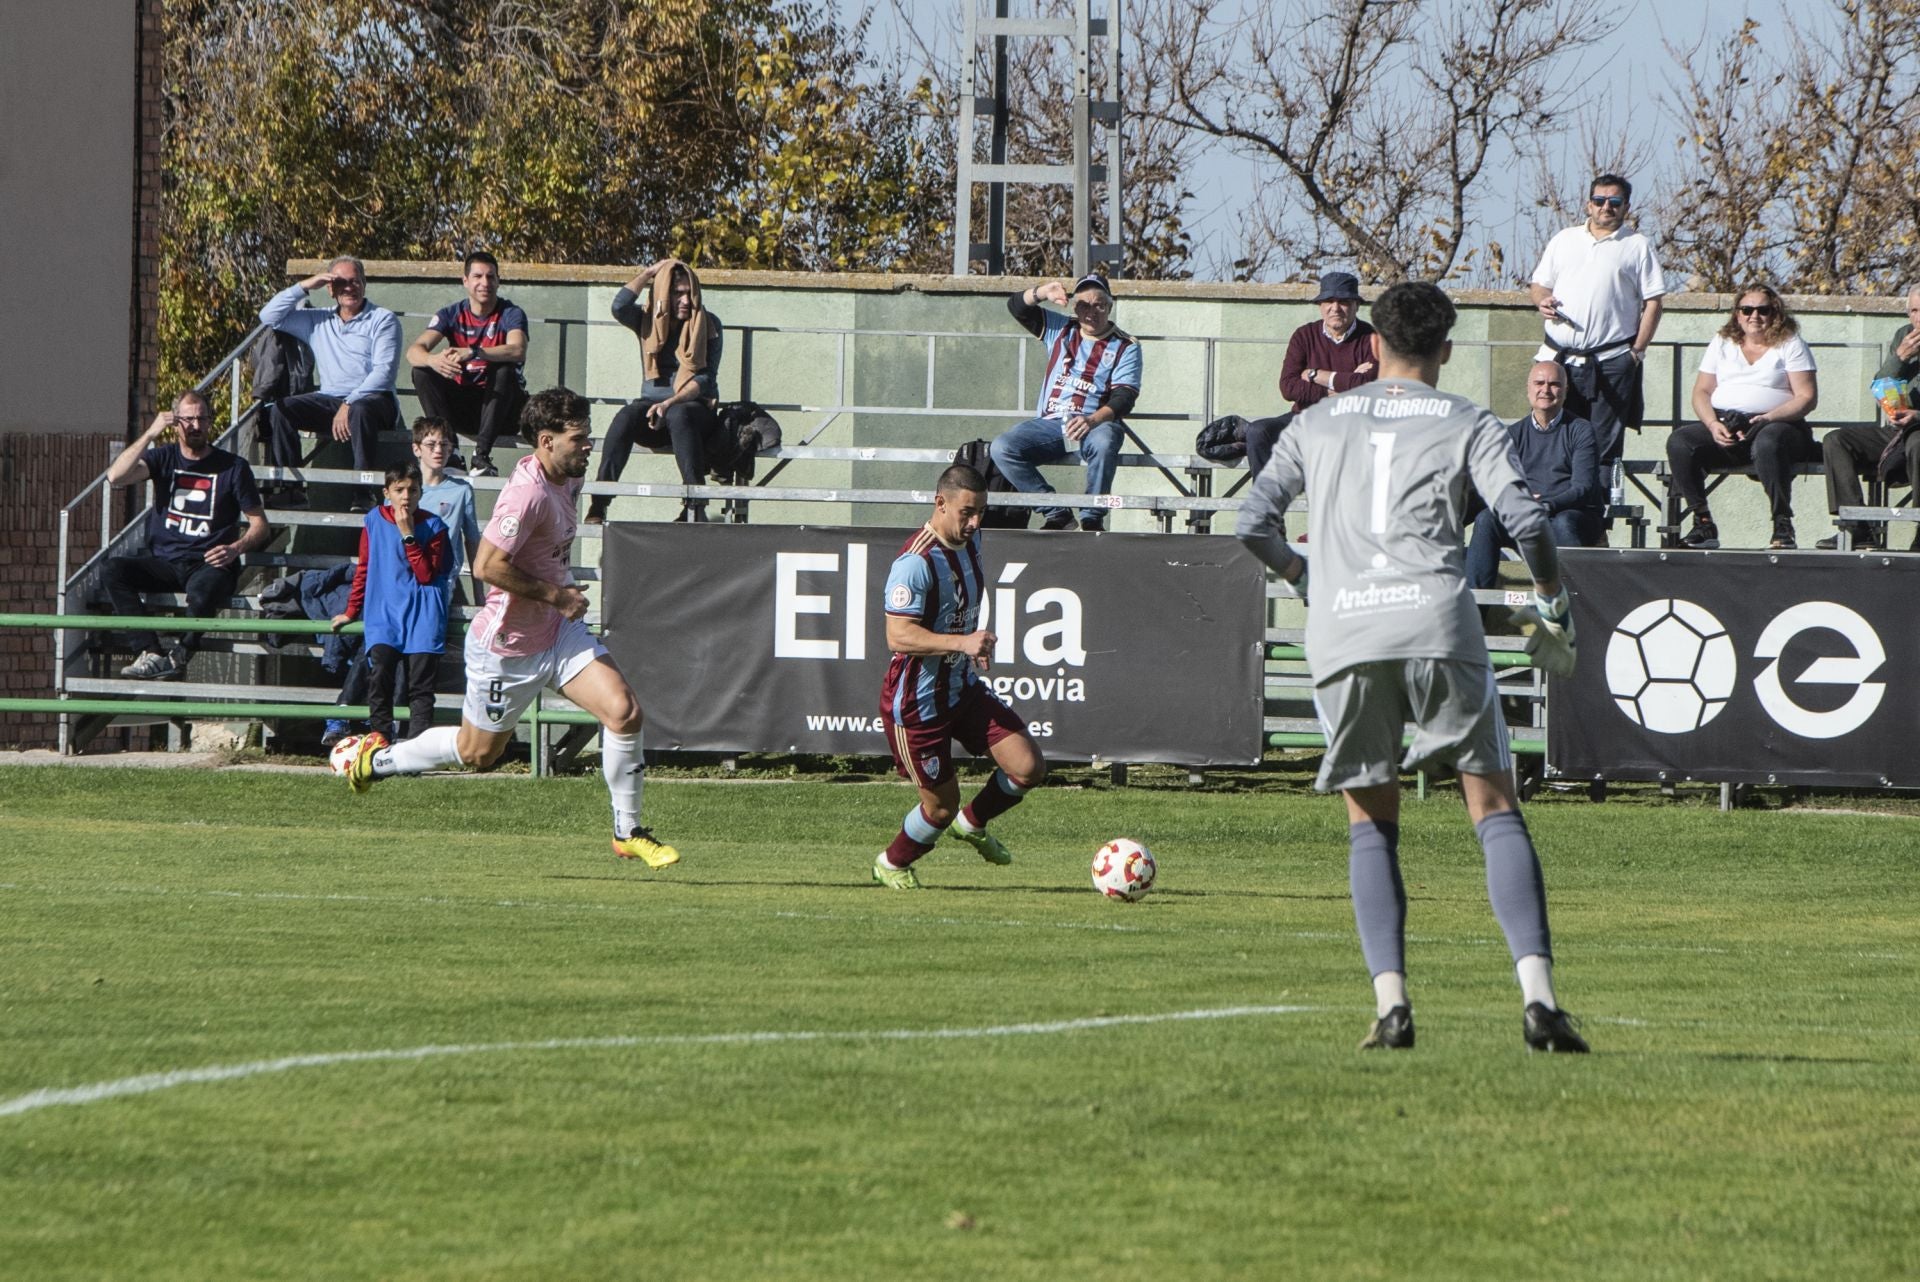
1754, 391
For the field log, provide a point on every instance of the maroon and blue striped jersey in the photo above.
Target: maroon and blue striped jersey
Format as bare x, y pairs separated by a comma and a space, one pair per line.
940, 588
1081, 371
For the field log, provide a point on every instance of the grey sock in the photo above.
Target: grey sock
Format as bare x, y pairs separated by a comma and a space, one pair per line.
1379, 896
1514, 885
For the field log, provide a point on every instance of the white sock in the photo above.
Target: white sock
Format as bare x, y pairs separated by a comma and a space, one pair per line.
1536, 980
433, 749
1390, 990
624, 763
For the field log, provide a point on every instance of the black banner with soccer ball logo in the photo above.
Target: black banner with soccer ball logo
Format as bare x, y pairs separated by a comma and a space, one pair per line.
1756, 667
1125, 647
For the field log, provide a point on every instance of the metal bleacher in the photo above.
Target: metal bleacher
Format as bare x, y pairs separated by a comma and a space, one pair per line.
249, 665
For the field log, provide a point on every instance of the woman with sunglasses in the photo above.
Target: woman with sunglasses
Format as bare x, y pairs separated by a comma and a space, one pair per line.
1755, 388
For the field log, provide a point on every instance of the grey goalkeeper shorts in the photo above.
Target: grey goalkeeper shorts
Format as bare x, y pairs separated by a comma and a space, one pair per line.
1452, 704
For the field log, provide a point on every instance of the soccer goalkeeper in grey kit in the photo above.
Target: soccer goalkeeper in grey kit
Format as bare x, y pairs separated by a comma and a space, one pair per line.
1393, 636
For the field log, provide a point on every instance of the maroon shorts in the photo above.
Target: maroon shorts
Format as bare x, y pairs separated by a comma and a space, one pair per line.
924, 753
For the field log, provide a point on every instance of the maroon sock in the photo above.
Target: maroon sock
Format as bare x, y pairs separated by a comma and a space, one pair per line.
903, 850
993, 800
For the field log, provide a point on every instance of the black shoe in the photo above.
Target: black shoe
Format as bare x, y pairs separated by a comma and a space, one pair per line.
1093, 524
359, 507
597, 509
1704, 535
1864, 540
1551, 1030
483, 466
289, 498
1058, 521
1782, 537
1393, 1031
456, 462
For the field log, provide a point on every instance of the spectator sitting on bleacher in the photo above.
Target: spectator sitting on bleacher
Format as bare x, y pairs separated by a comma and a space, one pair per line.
400, 586
1754, 391
355, 345
1332, 354
1556, 455
1092, 380
202, 495
679, 401
447, 497
476, 384
1886, 451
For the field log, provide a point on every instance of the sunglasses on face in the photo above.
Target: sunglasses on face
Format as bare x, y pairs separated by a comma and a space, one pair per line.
1762, 310
1608, 202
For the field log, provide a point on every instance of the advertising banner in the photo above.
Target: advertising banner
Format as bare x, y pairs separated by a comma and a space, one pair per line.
1126, 647
1761, 667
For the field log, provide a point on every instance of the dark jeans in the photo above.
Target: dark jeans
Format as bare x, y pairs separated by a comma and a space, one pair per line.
383, 661
1571, 529
313, 412
1260, 435
208, 588
484, 413
691, 429
1774, 451
1847, 452
1608, 394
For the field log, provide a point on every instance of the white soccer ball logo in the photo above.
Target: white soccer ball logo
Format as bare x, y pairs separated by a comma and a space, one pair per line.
1670, 666
1123, 869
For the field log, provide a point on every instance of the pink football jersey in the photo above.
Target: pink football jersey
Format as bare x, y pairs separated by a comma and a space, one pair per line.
533, 522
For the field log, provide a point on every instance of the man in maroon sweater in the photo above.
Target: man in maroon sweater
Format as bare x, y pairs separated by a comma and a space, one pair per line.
1332, 354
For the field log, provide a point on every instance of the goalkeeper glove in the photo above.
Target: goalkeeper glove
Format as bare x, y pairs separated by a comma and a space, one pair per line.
1551, 643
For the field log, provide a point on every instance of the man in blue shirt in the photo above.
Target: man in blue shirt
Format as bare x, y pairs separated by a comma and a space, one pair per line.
206, 515
355, 345
1556, 454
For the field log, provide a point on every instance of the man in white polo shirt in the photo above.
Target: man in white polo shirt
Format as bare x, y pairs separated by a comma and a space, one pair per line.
1598, 287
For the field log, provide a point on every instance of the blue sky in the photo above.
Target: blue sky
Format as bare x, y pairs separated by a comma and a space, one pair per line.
1629, 72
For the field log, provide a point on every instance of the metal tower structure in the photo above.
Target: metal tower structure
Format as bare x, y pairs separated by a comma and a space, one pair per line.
1081, 30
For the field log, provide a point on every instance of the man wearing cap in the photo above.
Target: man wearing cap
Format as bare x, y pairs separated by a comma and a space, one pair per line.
1092, 380
1598, 289
1332, 354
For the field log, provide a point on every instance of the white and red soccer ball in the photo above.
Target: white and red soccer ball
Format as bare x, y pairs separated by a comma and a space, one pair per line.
342, 757
1123, 869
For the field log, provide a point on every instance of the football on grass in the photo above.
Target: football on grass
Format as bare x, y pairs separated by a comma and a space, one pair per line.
1123, 869
341, 758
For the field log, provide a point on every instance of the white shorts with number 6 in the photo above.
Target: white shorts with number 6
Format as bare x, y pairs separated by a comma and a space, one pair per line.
499, 687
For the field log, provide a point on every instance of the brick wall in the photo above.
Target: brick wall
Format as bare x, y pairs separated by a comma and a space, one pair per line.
143, 313
39, 473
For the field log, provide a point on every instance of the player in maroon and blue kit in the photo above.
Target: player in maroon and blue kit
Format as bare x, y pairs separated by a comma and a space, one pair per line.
934, 697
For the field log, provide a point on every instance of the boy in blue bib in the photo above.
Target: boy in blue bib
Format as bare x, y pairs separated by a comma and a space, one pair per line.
401, 587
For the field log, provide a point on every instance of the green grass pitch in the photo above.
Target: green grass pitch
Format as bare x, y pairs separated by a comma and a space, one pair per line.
758, 1065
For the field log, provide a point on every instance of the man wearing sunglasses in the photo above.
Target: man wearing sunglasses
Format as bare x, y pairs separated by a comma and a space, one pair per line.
1598, 288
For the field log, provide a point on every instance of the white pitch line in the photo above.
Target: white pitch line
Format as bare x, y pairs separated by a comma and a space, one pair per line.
147, 1083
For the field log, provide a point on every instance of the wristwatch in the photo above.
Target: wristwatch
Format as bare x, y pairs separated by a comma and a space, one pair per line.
408, 539
1313, 376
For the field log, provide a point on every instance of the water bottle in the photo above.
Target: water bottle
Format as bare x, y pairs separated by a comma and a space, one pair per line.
1616, 485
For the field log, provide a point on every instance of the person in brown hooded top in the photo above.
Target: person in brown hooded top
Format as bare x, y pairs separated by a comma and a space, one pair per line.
678, 407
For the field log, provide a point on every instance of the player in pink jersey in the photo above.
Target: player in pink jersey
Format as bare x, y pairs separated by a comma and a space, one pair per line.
530, 634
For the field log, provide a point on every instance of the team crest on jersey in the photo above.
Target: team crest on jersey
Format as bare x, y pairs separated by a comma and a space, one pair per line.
900, 597
930, 767
509, 526
496, 713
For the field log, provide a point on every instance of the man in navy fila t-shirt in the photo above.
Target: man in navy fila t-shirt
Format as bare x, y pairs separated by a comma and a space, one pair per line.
1091, 382
206, 515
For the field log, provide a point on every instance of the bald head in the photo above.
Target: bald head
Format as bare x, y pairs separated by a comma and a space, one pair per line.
1546, 390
